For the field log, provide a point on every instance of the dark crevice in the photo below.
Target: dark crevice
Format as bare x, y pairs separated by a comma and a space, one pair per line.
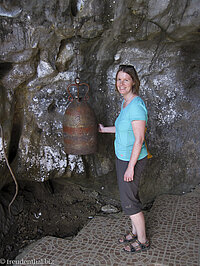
16, 126
52, 107
74, 9
4, 68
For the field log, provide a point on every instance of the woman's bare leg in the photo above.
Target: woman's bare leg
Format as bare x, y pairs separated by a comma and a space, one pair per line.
138, 226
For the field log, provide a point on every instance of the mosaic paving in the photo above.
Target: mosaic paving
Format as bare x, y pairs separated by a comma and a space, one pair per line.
173, 227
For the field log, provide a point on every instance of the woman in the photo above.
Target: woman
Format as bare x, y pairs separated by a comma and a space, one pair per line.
131, 154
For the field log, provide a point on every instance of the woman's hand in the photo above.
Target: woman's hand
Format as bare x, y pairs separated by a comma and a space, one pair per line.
101, 128
128, 176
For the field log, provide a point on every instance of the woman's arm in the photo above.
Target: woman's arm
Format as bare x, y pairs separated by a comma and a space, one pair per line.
139, 132
103, 129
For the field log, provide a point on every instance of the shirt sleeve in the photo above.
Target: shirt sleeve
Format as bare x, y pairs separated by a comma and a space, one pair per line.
138, 111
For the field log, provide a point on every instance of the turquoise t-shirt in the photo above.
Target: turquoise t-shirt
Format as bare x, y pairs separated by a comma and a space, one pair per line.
124, 136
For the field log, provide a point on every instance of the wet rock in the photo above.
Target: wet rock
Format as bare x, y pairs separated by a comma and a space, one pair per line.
19, 57
19, 74
8, 10
91, 29
44, 214
103, 165
109, 209
94, 194
91, 8
161, 7
40, 45
44, 69
65, 56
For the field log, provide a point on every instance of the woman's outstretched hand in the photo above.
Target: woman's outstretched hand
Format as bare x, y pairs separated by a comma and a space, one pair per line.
101, 128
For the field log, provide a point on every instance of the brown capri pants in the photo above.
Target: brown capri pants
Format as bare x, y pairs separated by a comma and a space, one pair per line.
129, 197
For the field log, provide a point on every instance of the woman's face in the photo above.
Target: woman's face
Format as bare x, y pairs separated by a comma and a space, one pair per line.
124, 83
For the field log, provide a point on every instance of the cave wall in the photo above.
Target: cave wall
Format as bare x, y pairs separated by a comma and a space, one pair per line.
45, 44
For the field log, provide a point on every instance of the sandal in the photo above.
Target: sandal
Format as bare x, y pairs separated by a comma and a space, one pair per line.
124, 239
138, 247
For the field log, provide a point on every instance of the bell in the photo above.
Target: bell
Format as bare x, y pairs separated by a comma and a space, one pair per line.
79, 124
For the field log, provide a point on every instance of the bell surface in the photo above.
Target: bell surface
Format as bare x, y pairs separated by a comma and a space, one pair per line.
79, 129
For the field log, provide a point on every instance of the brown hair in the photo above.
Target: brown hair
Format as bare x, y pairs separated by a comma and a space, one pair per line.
129, 69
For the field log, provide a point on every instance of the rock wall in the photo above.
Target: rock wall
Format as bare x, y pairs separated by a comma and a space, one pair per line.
45, 44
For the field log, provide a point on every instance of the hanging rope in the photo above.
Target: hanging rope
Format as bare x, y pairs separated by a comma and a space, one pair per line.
13, 176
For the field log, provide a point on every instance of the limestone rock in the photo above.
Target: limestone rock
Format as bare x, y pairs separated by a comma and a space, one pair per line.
19, 74
109, 209
38, 61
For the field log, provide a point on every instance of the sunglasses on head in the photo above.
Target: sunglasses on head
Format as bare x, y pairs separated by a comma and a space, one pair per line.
122, 67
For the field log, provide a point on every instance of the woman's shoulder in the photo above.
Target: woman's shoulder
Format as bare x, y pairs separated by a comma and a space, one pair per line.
137, 101
137, 104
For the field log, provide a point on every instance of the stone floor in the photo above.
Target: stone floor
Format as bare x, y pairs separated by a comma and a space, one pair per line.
173, 227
